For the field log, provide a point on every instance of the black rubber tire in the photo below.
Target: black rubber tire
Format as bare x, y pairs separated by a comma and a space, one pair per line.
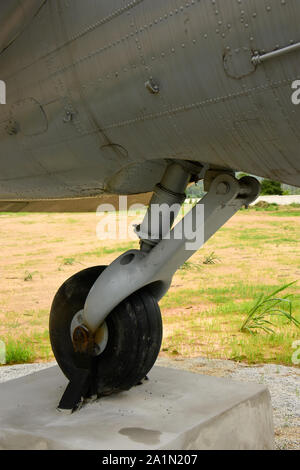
134, 339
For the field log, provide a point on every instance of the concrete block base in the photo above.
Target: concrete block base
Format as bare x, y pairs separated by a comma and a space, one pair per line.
174, 410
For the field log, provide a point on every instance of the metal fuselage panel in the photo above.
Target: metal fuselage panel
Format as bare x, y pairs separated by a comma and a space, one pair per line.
79, 120
15, 16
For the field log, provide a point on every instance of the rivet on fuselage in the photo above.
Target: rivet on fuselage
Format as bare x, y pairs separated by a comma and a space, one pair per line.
152, 87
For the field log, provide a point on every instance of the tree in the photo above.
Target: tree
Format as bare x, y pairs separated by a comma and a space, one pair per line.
271, 188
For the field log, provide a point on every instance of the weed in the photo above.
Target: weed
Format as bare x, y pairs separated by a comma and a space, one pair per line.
189, 266
18, 352
68, 261
211, 259
266, 307
29, 276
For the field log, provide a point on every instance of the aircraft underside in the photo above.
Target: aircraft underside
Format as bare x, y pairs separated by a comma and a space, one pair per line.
101, 95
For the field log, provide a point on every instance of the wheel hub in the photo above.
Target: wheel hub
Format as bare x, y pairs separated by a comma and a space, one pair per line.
84, 341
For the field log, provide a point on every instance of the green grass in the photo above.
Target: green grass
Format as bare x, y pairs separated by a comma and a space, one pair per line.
274, 210
216, 331
266, 308
28, 348
211, 259
275, 349
286, 213
235, 290
28, 276
189, 266
251, 236
18, 352
68, 261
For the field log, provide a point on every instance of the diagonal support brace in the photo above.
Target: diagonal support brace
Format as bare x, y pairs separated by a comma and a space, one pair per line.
135, 269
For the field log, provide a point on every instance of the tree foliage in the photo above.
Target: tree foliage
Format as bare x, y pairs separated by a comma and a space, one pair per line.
271, 188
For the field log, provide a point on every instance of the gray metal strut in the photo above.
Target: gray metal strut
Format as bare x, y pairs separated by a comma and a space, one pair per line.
155, 269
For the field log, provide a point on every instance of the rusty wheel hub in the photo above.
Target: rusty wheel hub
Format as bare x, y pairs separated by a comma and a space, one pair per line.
83, 340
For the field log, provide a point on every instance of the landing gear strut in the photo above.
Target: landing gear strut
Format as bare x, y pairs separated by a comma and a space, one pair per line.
105, 322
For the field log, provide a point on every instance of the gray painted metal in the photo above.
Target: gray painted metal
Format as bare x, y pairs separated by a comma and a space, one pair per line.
259, 59
164, 207
137, 269
101, 93
15, 16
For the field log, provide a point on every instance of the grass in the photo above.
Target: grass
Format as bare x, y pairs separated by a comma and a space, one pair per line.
18, 352
189, 266
27, 348
215, 332
277, 211
29, 276
211, 259
68, 261
212, 295
266, 307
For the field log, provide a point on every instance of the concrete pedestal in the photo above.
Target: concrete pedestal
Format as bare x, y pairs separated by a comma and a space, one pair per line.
174, 410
